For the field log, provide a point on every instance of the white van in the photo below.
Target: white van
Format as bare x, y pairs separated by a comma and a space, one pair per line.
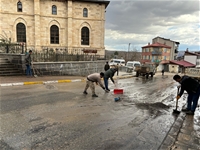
120, 62
130, 65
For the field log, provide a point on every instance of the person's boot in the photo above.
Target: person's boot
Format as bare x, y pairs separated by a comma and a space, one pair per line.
85, 93
190, 113
94, 95
185, 110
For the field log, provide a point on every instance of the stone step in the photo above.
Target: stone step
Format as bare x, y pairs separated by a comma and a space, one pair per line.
4, 60
3, 65
2, 69
12, 74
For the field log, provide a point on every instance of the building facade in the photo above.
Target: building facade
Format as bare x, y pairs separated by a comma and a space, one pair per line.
155, 53
54, 24
173, 44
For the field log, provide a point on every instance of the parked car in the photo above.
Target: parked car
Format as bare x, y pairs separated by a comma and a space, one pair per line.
130, 65
119, 62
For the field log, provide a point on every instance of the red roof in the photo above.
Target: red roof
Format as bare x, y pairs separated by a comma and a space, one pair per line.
182, 63
156, 45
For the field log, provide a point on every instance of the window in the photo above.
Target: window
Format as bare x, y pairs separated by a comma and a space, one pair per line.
85, 12
54, 10
19, 6
21, 32
54, 32
85, 36
165, 57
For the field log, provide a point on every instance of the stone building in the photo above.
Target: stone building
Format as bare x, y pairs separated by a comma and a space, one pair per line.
54, 24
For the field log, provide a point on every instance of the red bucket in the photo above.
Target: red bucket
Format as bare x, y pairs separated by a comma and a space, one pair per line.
118, 91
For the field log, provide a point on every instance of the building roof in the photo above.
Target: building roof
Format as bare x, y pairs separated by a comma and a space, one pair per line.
156, 45
191, 53
182, 63
166, 39
96, 1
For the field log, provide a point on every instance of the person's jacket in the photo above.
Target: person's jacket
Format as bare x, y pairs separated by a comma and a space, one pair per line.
188, 84
109, 74
28, 59
106, 67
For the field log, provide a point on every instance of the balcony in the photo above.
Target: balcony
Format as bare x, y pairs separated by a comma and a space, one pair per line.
156, 53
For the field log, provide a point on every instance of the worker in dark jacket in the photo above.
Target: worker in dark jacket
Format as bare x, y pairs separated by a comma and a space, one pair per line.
28, 62
109, 74
106, 67
192, 87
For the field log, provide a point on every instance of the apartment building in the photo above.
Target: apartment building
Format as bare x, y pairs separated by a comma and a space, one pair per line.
54, 24
173, 44
160, 52
156, 53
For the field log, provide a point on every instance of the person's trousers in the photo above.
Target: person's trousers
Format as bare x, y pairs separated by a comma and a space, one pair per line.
192, 100
28, 70
106, 83
91, 85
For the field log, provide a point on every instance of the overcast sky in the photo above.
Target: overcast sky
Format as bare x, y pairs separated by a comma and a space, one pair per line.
139, 21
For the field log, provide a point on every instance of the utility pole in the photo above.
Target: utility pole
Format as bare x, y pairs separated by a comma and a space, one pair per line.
128, 51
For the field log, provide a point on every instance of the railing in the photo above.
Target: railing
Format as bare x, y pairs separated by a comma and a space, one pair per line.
156, 53
55, 57
12, 48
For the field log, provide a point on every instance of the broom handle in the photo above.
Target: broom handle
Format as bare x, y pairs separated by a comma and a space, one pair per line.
176, 98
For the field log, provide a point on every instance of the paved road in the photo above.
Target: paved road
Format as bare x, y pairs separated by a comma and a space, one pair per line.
59, 116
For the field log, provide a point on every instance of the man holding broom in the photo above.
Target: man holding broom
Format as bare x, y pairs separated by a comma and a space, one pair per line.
192, 87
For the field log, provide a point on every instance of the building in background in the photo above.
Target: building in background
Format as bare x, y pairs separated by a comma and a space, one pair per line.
160, 52
55, 24
185, 59
156, 53
173, 44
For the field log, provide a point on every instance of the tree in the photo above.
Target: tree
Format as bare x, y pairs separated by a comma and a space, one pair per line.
115, 53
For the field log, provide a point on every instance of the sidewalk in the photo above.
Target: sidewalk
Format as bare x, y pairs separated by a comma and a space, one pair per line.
23, 80
184, 134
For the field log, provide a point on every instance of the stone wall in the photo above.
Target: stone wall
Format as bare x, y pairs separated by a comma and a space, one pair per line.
79, 68
69, 68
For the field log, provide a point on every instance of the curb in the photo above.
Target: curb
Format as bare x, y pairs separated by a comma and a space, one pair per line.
53, 81
172, 135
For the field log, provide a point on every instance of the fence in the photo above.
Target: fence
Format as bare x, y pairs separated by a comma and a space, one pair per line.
12, 48
55, 57
52, 55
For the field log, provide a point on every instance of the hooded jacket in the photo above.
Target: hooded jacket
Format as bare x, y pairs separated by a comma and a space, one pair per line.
110, 73
188, 84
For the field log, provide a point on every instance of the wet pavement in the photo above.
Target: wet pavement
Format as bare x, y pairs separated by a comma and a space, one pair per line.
184, 132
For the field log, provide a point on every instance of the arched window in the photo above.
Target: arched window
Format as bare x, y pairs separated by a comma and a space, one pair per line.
21, 32
85, 12
19, 6
54, 10
54, 32
85, 36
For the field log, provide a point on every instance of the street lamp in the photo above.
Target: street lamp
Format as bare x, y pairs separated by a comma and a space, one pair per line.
128, 51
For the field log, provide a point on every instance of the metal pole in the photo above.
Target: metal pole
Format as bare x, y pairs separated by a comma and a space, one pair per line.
128, 51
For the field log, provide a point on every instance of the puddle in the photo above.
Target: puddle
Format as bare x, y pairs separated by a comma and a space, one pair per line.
157, 105
49, 86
